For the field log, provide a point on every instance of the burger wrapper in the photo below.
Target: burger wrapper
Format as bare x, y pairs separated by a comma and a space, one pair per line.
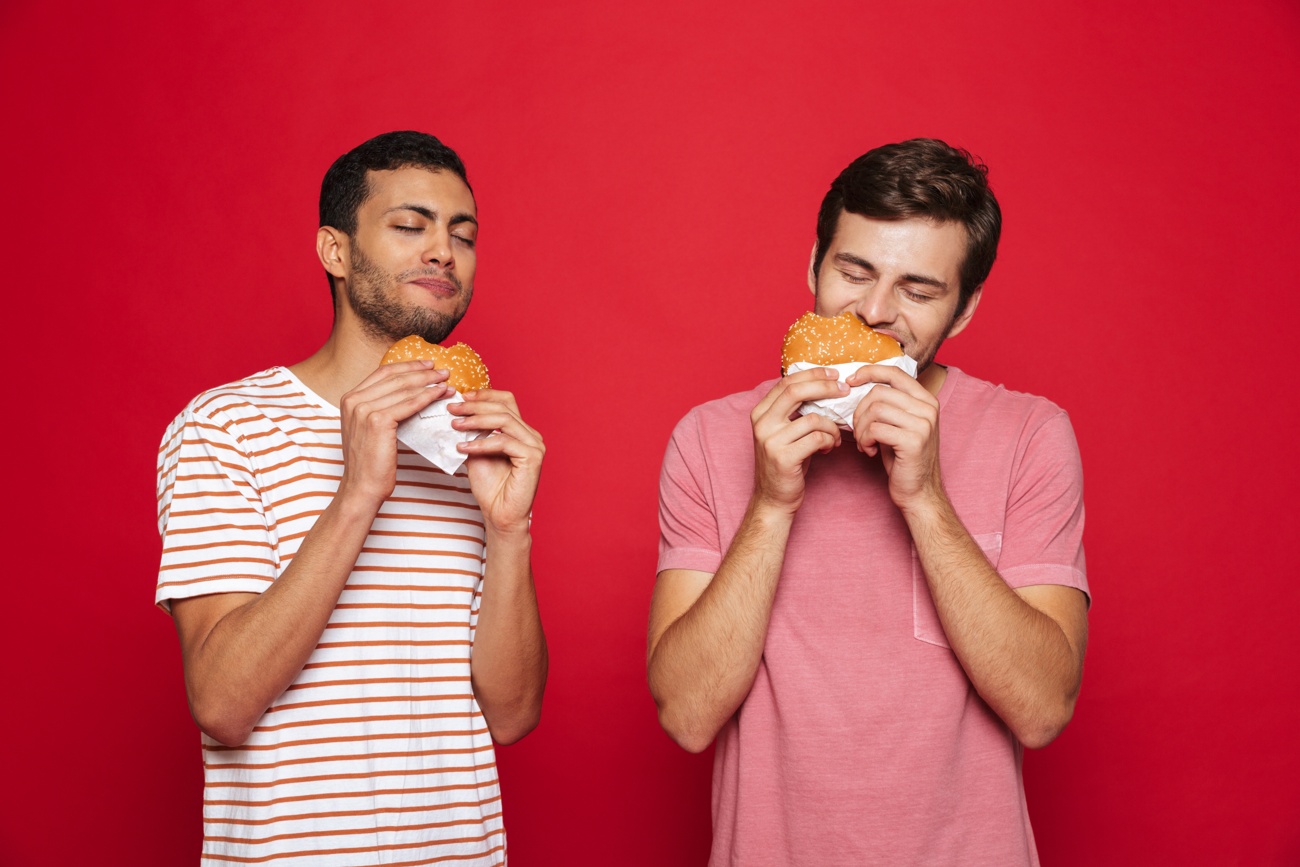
840, 409
430, 433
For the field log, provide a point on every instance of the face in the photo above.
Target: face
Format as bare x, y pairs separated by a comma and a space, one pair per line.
410, 267
901, 277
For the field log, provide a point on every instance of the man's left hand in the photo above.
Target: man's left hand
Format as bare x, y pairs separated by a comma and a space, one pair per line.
900, 422
504, 466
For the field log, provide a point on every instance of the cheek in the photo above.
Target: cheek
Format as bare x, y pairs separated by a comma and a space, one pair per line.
832, 297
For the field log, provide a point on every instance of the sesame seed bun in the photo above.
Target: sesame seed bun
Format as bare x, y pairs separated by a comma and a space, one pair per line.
468, 373
826, 340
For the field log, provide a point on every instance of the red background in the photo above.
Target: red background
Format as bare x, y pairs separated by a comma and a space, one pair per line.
647, 182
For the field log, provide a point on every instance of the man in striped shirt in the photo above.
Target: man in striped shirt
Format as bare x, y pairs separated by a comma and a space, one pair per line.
358, 627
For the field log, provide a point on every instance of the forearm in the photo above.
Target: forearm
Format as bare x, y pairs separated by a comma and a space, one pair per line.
1020, 660
704, 663
509, 662
256, 650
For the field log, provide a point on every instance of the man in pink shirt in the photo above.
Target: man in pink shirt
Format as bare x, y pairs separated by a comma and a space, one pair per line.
873, 624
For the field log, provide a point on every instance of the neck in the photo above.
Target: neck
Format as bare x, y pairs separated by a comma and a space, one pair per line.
933, 377
346, 358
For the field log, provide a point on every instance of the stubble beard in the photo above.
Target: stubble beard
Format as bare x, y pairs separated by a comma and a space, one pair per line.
369, 291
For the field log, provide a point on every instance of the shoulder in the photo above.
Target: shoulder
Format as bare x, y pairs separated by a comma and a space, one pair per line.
256, 399
715, 437
987, 420
270, 387
978, 402
723, 413
223, 415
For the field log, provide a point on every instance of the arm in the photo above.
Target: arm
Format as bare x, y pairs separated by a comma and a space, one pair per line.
707, 632
509, 663
1022, 649
241, 650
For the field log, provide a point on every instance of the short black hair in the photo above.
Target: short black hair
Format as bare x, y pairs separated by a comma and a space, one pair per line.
922, 177
345, 188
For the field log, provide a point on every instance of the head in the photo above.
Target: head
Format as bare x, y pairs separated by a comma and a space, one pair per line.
921, 178
397, 233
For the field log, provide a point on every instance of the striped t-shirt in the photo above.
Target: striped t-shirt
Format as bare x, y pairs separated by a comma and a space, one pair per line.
378, 752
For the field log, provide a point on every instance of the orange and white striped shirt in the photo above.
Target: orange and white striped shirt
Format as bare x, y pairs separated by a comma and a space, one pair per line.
378, 752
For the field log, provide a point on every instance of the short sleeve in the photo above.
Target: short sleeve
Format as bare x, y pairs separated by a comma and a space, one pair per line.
215, 534
688, 522
1042, 540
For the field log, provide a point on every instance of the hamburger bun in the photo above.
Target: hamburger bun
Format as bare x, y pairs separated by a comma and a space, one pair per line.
468, 373
827, 340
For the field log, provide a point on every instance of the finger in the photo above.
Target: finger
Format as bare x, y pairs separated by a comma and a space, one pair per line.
493, 395
886, 425
383, 383
884, 435
796, 393
481, 407
816, 373
802, 426
411, 393
387, 371
399, 405
805, 446
491, 410
521, 454
505, 422
893, 404
894, 377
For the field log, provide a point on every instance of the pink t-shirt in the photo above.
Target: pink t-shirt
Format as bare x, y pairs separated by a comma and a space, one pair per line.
862, 741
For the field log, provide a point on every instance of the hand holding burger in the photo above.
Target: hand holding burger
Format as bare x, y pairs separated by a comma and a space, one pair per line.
843, 342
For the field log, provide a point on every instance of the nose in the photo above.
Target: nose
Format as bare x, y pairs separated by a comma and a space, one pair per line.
438, 249
876, 306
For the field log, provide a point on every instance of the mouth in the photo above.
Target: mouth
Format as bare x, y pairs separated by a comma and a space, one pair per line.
898, 338
437, 288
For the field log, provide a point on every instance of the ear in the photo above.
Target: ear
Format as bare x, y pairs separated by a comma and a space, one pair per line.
333, 251
812, 275
960, 323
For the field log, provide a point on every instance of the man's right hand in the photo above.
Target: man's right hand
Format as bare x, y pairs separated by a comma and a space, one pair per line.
784, 442
241, 650
369, 415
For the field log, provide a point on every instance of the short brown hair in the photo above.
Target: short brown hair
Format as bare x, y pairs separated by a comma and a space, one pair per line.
922, 177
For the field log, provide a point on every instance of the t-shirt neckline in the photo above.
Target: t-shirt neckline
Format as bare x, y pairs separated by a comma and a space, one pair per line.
308, 393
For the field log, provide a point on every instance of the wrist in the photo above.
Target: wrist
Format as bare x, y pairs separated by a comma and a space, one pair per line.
770, 513
351, 505
929, 504
519, 537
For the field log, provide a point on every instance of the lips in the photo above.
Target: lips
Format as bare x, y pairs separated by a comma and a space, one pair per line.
438, 288
897, 338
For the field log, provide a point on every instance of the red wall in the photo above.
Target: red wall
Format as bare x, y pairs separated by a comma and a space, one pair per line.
648, 183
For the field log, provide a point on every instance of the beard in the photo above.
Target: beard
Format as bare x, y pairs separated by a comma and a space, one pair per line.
369, 290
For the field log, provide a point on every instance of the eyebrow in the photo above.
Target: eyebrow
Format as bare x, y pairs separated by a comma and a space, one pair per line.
858, 261
430, 214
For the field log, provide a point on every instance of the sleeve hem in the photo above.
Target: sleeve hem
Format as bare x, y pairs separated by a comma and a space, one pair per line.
1030, 575
695, 559
165, 594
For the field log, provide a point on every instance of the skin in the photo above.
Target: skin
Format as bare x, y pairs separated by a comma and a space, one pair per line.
1021, 649
413, 255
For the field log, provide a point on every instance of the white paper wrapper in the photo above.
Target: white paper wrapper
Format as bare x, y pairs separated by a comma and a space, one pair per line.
430, 433
840, 409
